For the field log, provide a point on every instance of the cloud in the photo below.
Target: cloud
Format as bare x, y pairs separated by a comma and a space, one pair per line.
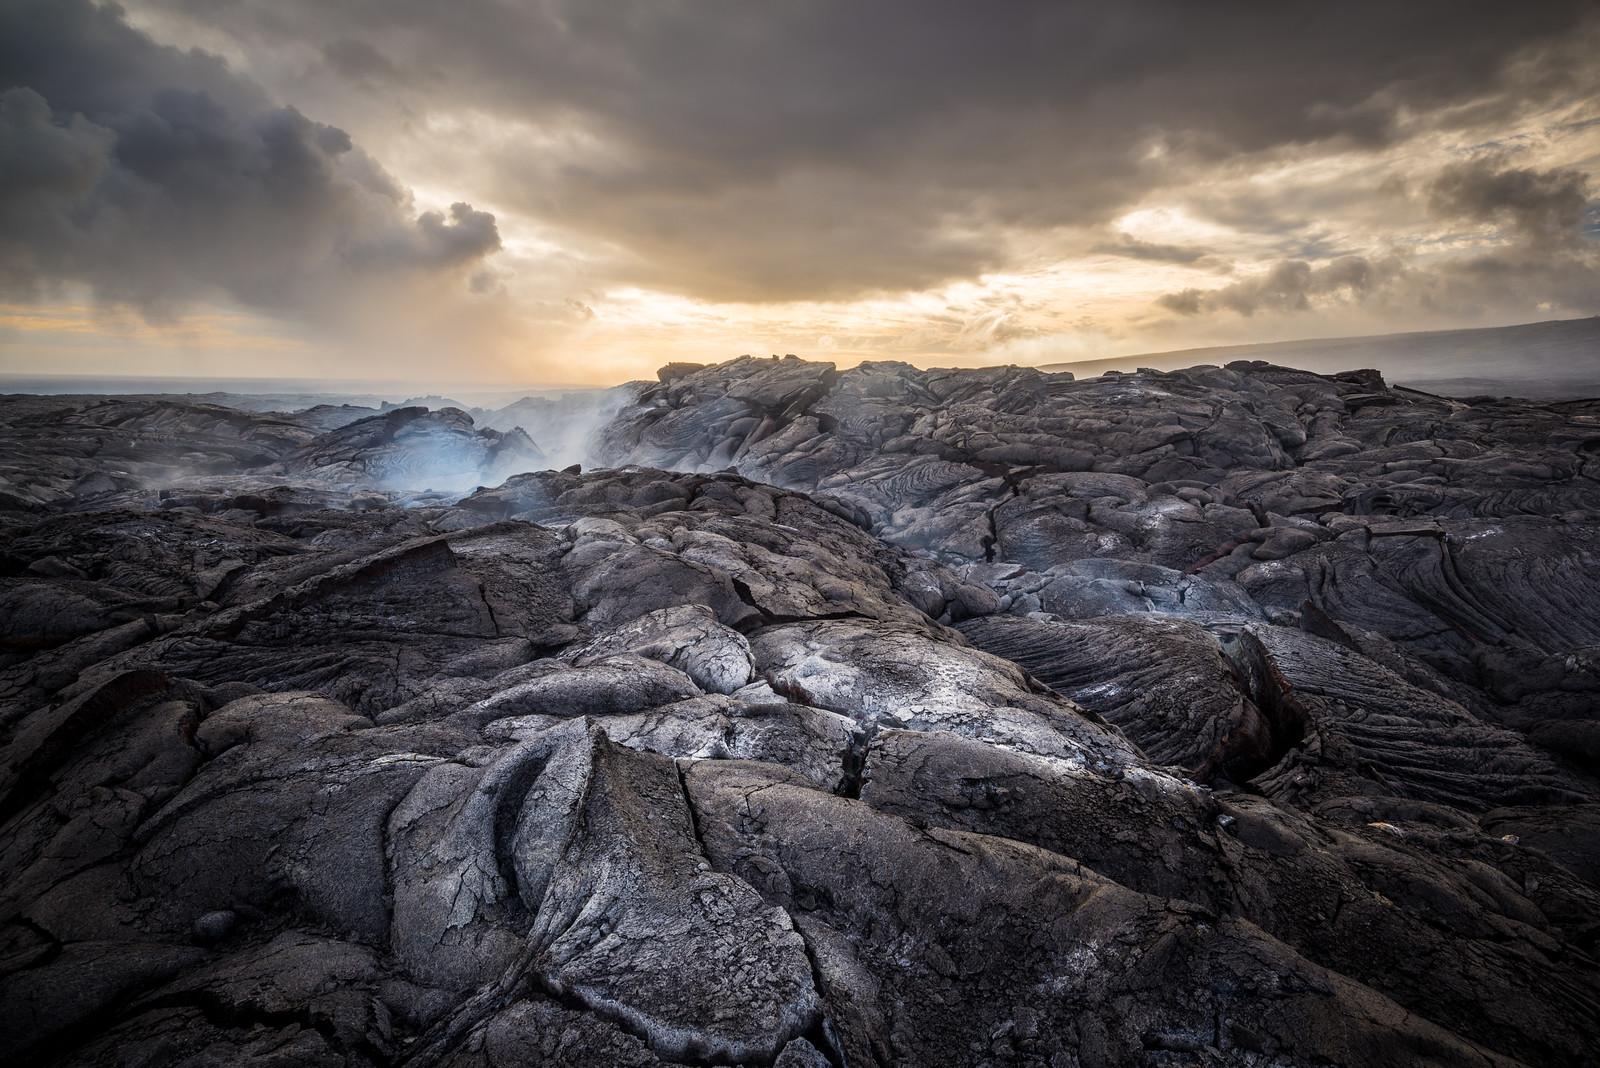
435, 243
1136, 249
159, 179
1509, 284
634, 178
1505, 284
1155, 252
1541, 207
1291, 286
358, 61
833, 149
1545, 263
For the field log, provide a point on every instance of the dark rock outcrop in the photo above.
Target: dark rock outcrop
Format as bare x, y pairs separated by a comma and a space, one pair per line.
1230, 716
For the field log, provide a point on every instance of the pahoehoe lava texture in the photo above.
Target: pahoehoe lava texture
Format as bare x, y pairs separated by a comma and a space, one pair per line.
886, 717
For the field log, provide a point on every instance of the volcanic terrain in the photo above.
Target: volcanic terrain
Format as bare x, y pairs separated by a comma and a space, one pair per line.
1234, 715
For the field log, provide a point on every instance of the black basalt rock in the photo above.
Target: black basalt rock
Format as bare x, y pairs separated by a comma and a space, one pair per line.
884, 716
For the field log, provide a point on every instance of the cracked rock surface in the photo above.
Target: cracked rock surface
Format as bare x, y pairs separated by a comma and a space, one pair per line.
1233, 716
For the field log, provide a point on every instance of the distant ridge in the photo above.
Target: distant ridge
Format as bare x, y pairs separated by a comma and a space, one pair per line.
1556, 359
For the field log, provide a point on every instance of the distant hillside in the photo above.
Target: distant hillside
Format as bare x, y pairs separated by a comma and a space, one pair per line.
1549, 360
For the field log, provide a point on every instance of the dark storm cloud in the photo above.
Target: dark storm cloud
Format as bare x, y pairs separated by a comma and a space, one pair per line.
435, 243
1544, 207
157, 177
1551, 260
1290, 286
900, 142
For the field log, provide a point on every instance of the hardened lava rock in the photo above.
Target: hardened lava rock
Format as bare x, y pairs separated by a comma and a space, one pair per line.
1235, 716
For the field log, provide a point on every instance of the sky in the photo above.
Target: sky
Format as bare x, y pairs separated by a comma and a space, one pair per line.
567, 192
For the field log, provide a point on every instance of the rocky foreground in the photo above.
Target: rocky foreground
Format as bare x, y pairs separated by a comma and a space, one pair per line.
1227, 716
